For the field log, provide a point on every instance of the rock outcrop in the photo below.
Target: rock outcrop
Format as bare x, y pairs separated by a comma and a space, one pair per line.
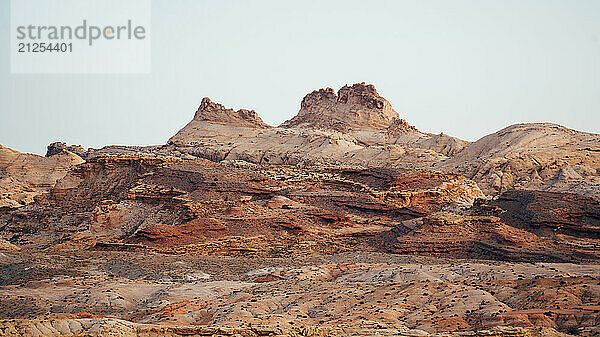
356, 107
58, 147
24, 176
229, 208
540, 156
210, 111
354, 127
548, 214
480, 237
358, 127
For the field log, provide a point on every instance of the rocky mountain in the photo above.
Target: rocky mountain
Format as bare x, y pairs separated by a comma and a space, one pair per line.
354, 127
357, 126
343, 221
356, 107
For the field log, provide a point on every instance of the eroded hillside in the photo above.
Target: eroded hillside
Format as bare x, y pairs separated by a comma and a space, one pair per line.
343, 221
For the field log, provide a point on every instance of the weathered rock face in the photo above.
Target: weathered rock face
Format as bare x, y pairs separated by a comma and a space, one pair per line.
57, 147
548, 214
354, 127
338, 223
83, 204
358, 127
210, 111
356, 107
532, 156
343, 251
481, 237
229, 208
526, 156
25, 176
233, 208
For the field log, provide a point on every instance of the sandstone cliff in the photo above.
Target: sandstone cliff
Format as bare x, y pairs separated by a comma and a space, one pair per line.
25, 176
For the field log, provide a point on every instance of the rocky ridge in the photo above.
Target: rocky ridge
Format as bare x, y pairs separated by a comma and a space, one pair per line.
25, 176
355, 127
359, 127
214, 112
541, 156
58, 147
215, 208
343, 221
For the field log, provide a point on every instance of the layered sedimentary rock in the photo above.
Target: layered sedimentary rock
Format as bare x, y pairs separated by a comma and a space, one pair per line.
346, 220
58, 147
482, 237
237, 208
516, 226
218, 208
25, 176
355, 126
547, 214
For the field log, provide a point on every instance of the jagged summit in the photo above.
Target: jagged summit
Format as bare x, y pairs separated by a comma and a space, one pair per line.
353, 107
58, 147
353, 126
210, 111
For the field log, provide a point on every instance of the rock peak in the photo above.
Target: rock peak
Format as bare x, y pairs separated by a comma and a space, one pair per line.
58, 147
358, 106
210, 111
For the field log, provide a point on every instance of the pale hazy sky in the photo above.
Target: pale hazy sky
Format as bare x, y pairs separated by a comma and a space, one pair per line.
467, 68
